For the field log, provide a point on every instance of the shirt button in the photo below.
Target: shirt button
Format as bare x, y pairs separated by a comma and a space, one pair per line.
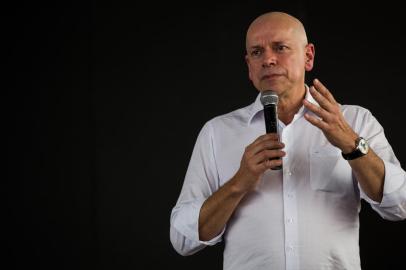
290, 220
289, 248
290, 195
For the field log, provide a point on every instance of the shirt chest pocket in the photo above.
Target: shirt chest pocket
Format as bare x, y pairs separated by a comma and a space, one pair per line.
329, 171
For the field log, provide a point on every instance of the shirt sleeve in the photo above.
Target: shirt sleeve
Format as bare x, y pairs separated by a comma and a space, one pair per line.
393, 204
200, 182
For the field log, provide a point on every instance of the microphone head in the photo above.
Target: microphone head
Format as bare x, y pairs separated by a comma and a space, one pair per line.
269, 97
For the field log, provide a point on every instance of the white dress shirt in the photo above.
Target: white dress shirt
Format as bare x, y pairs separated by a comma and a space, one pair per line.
304, 216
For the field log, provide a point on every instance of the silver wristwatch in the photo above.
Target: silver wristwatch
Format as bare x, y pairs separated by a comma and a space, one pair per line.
361, 149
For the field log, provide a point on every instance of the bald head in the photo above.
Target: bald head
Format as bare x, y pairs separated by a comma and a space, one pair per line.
276, 20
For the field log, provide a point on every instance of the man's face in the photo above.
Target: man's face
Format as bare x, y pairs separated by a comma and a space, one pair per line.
277, 56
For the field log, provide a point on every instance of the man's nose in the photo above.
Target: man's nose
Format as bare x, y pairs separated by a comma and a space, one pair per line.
269, 58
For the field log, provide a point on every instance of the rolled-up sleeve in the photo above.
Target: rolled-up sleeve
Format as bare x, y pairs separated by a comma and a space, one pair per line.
393, 204
200, 182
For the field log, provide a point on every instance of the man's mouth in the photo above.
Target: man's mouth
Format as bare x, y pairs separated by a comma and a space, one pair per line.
271, 76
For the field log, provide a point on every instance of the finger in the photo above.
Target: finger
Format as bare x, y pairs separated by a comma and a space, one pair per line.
319, 111
249, 148
316, 121
324, 91
268, 154
267, 145
321, 100
271, 163
265, 137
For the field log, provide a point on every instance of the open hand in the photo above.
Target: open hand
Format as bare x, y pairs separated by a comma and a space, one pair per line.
330, 119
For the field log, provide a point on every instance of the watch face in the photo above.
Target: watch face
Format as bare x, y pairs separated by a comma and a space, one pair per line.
363, 146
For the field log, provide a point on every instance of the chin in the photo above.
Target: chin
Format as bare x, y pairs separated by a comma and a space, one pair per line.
276, 87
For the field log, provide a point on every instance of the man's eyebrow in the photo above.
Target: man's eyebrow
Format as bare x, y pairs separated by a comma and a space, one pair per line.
272, 43
255, 47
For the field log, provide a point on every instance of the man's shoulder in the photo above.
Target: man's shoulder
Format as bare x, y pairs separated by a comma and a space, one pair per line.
233, 118
355, 110
357, 116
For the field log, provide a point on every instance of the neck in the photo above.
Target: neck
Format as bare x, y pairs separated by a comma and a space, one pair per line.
290, 103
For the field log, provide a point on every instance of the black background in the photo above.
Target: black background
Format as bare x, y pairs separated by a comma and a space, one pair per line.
104, 103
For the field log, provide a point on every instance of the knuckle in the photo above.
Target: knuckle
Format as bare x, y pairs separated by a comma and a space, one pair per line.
270, 136
263, 137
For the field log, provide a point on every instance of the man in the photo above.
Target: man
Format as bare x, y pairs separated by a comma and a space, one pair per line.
304, 216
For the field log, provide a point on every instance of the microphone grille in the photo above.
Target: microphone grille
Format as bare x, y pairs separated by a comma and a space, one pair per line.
269, 97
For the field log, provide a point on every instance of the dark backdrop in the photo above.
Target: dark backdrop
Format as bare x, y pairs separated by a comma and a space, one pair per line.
104, 103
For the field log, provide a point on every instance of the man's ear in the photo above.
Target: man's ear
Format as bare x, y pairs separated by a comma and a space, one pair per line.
248, 66
309, 53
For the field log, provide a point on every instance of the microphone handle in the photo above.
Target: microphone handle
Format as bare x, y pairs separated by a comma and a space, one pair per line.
271, 123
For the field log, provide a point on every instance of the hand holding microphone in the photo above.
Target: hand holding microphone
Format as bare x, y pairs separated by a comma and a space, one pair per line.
265, 152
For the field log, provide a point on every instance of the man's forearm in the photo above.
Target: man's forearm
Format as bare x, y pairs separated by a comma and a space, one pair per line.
369, 171
258, 157
218, 208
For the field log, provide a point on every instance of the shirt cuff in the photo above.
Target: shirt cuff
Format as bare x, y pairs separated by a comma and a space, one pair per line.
394, 183
188, 223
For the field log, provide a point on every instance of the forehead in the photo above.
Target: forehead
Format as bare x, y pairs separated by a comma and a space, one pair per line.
270, 30
268, 33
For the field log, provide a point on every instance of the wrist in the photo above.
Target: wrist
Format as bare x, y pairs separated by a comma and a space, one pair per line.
350, 145
238, 185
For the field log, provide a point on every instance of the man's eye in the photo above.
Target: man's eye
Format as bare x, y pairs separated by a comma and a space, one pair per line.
255, 52
281, 48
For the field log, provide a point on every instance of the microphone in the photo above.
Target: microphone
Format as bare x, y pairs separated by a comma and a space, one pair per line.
269, 100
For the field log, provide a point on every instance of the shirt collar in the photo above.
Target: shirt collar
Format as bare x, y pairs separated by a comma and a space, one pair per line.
257, 106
